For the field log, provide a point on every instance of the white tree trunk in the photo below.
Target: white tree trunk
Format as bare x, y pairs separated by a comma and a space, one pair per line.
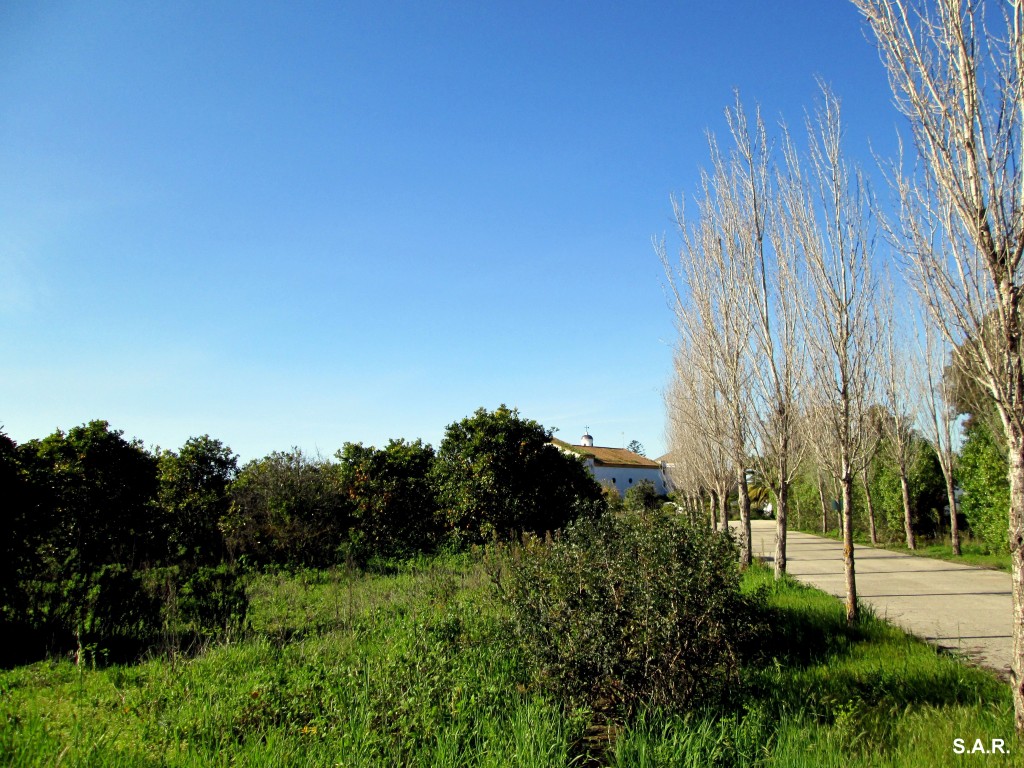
954, 526
848, 563
743, 493
1016, 535
781, 512
908, 520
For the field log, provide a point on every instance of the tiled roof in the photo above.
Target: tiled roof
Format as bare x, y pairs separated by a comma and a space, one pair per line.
616, 457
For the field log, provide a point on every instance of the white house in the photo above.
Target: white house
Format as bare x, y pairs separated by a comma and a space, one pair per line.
616, 467
668, 464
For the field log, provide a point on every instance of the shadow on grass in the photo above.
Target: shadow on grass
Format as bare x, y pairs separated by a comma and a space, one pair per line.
808, 659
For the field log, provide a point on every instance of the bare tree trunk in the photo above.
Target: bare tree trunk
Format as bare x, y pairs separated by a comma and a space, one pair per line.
1016, 536
837, 490
938, 426
780, 527
908, 520
851, 576
954, 525
824, 509
723, 510
743, 493
713, 509
871, 506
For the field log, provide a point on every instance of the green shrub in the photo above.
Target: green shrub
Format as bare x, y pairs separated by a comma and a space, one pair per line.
115, 614
612, 498
625, 611
642, 497
212, 603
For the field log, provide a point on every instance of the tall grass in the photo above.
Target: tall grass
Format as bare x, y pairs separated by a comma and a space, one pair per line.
415, 668
342, 668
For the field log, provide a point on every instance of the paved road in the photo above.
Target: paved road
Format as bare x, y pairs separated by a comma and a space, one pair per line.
951, 605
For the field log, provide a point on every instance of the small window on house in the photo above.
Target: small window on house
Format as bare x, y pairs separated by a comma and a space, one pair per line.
613, 481
631, 480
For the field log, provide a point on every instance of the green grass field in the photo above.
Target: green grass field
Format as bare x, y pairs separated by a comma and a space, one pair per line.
414, 668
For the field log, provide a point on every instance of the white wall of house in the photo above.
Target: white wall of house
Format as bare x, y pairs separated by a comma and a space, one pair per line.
624, 478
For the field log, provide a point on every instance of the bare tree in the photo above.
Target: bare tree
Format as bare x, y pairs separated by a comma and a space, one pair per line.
899, 396
684, 455
713, 316
873, 443
939, 417
772, 285
830, 208
695, 427
961, 224
823, 448
820, 482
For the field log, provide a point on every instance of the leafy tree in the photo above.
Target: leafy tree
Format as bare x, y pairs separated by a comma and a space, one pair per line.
925, 490
982, 475
982, 469
804, 499
636, 447
391, 497
96, 493
194, 485
497, 473
17, 547
96, 524
86, 534
286, 509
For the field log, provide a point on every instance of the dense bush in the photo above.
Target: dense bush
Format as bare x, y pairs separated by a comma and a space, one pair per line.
629, 610
106, 613
393, 510
287, 509
103, 538
117, 614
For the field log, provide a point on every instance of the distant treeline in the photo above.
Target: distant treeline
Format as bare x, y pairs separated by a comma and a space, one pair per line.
110, 549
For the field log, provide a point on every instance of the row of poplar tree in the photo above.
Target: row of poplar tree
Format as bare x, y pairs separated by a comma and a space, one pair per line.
781, 259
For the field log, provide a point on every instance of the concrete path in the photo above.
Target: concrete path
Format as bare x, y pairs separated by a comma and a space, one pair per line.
966, 609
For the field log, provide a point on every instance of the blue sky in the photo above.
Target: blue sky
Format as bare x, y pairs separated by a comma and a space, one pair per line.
302, 224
